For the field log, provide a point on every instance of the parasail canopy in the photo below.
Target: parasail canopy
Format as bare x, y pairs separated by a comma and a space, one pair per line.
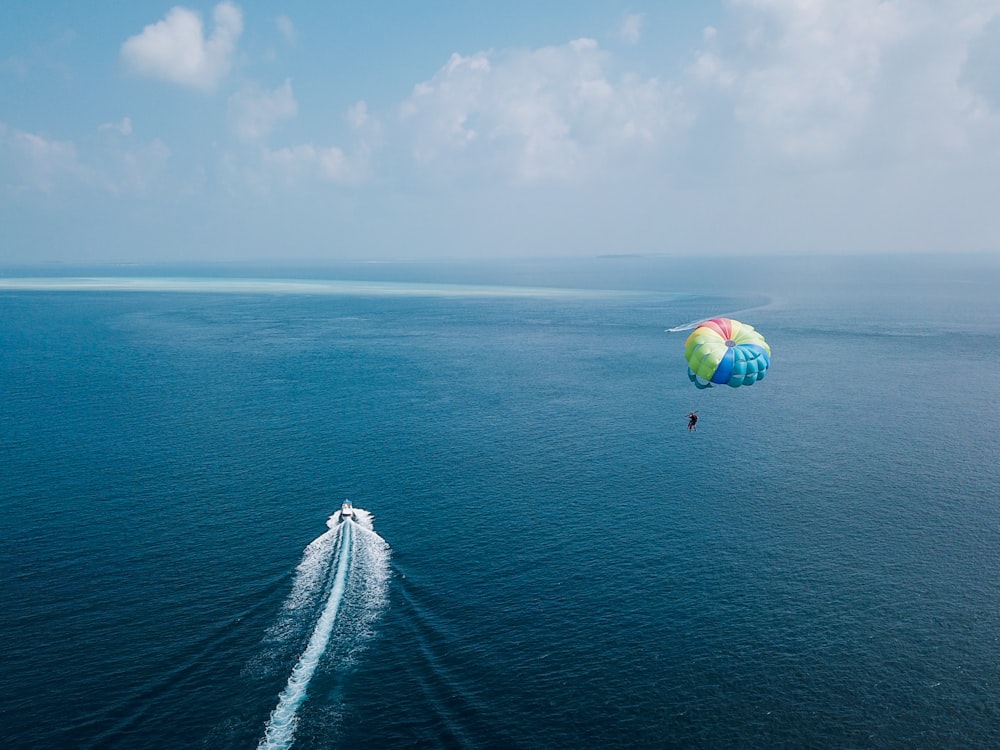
725, 351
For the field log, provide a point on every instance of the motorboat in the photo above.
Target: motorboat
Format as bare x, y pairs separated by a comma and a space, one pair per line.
346, 511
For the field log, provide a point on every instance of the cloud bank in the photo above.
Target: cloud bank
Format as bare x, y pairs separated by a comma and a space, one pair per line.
784, 124
31, 162
255, 113
777, 82
545, 115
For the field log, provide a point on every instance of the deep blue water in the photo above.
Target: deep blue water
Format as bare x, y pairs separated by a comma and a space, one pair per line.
548, 558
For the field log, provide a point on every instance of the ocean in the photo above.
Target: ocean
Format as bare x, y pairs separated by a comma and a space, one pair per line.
543, 556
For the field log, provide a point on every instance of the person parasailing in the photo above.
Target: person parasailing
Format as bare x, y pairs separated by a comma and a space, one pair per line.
692, 421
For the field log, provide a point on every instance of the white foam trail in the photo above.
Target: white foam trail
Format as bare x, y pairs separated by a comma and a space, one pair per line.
280, 730
310, 572
307, 586
771, 303
687, 326
357, 596
695, 323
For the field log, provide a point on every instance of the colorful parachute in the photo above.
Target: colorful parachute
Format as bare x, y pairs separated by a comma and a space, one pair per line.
725, 351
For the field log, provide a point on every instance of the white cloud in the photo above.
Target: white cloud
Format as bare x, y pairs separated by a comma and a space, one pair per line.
298, 165
135, 169
812, 70
176, 49
305, 162
124, 127
38, 163
709, 68
357, 115
286, 28
550, 114
981, 68
630, 29
827, 80
255, 113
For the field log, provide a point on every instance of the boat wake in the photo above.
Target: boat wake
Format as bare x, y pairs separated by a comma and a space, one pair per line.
770, 303
339, 591
686, 327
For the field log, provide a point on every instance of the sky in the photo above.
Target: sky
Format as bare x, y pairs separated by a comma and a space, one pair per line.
139, 131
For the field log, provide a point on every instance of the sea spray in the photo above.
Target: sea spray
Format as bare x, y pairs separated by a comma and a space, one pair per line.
307, 587
287, 636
